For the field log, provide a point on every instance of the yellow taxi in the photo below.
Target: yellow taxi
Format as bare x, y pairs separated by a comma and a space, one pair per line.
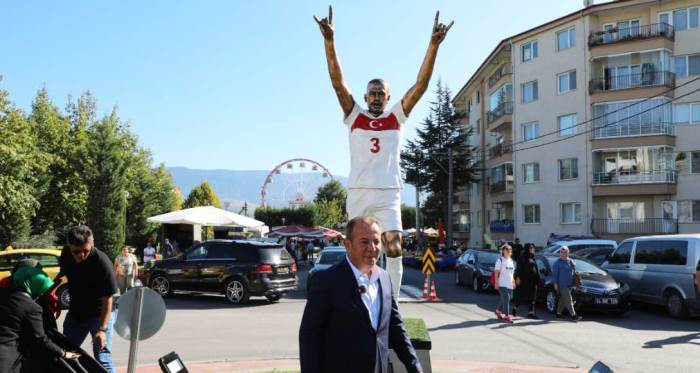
48, 258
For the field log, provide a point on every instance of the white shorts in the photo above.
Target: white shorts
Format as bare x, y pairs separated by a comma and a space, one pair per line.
382, 204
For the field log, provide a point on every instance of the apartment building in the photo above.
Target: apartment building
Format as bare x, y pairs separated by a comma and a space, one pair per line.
583, 126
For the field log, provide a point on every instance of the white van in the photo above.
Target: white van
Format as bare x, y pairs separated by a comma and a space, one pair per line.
660, 270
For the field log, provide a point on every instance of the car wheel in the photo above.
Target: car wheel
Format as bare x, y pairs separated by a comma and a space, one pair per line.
274, 298
236, 291
63, 297
477, 286
161, 284
675, 305
458, 281
550, 300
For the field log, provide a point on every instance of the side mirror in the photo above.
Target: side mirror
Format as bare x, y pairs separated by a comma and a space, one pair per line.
599, 367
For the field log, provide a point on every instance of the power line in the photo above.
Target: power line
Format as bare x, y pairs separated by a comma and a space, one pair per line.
612, 112
609, 124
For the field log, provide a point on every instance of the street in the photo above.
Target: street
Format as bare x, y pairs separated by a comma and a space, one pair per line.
462, 328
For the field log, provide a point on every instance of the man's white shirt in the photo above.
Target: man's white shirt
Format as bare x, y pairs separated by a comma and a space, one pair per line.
375, 148
371, 296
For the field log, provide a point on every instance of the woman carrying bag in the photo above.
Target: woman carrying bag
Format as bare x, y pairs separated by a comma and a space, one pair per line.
126, 267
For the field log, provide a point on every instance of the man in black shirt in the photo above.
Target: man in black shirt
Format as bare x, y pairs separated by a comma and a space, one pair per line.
91, 284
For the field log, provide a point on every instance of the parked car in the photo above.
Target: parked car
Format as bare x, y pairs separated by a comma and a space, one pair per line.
474, 268
660, 270
597, 255
236, 268
577, 245
598, 290
48, 258
329, 257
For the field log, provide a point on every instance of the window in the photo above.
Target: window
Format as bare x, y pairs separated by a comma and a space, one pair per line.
681, 19
529, 91
219, 251
531, 131
567, 125
694, 17
531, 214
529, 51
8, 261
566, 39
686, 113
625, 210
46, 260
478, 126
570, 213
661, 252
684, 66
567, 81
568, 169
531, 173
197, 253
695, 162
689, 211
623, 253
478, 97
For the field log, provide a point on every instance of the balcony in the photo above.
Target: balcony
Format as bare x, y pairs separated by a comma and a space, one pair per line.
504, 108
634, 226
636, 129
460, 228
502, 71
634, 177
500, 150
501, 187
617, 35
502, 226
647, 79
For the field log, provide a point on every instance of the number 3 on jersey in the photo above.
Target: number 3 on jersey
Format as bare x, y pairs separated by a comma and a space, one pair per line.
375, 145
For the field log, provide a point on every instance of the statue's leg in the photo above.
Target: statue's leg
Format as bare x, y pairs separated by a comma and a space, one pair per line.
394, 266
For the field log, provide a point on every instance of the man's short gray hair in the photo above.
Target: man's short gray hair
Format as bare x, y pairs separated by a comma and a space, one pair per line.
351, 224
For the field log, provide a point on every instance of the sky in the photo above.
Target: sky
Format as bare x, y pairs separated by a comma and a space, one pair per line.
243, 85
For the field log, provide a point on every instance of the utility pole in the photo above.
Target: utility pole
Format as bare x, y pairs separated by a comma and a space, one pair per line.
418, 224
450, 195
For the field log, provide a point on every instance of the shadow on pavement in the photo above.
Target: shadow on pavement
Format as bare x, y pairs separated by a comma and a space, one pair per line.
199, 301
465, 324
660, 343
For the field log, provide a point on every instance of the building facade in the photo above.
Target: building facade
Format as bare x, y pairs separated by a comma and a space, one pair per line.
585, 126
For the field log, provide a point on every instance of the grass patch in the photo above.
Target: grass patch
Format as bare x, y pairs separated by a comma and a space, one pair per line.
416, 329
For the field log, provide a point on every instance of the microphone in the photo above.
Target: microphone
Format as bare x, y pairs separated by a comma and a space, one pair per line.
362, 289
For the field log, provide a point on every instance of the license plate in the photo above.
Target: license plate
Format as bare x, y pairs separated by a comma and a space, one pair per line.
282, 270
606, 300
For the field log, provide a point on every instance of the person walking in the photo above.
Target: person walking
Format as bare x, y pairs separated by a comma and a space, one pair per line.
21, 322
92, 284
563, 273
505, 269
527, 278
126, 267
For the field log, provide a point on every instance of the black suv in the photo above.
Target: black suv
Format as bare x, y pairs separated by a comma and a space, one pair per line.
236, 268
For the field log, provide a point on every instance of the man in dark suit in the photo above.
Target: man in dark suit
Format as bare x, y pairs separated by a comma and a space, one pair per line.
351, 318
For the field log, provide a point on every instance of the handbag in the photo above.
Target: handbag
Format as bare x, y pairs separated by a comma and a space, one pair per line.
577, 277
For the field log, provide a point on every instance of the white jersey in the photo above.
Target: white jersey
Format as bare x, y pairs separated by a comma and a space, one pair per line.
375, 148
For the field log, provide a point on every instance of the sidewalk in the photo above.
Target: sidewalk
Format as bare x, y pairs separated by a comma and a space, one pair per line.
439, 366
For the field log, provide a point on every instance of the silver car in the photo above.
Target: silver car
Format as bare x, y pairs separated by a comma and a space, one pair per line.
330, 256
660, 270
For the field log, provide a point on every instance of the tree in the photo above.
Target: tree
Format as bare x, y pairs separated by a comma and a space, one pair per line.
107, 194
408, 216
332, 191
202, 195
20, 164
424, 160
330, 213
60, 191
307, 215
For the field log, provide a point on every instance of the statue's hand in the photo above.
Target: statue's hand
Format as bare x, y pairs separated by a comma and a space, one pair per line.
326, 24
439, 30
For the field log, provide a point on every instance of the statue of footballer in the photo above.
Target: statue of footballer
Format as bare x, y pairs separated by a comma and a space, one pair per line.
375, 133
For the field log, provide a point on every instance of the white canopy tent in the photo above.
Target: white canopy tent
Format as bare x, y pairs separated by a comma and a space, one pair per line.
209, 216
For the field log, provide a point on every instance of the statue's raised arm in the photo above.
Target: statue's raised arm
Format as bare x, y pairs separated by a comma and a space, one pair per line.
414, 94
334, 68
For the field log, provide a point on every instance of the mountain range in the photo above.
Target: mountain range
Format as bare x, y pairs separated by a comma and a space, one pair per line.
238, 188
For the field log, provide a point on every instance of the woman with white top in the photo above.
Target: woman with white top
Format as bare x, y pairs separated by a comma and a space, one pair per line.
504, 270
126, 267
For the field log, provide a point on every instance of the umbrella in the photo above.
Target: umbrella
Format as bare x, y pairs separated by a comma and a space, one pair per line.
305, 232
206, 216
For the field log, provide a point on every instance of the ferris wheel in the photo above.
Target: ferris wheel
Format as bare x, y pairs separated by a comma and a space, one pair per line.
293, 183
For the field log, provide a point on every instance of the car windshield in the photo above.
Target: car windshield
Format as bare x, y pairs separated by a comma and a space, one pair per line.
487, 258
551, 249
331, 257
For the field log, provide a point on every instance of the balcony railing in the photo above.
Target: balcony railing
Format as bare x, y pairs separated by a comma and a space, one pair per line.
634, 177
640, 129
460, 228
627, 81
502, 109
616, 35
499, 150
502, 226
634, 226
501, 186
500, 73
